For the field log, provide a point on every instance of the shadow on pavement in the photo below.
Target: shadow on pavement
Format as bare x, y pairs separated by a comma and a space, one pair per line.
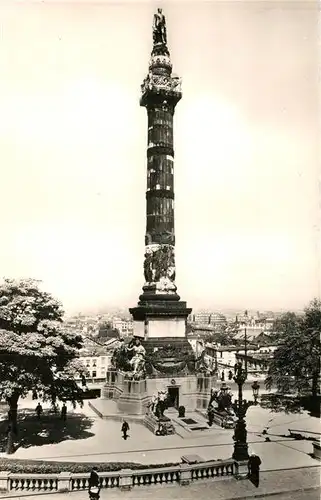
50, 429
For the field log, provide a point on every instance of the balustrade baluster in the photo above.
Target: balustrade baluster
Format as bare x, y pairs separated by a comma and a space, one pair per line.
136, 478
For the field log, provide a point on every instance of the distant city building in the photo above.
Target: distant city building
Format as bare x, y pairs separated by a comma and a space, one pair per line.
204, 318
258, 361
124, 326
217, 319
251, 331
96, 367
203, 330
225, 358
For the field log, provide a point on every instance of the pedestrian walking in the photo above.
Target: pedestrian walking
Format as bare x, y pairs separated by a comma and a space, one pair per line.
63, 413
254, 469
39, 411
94, 484
125, 429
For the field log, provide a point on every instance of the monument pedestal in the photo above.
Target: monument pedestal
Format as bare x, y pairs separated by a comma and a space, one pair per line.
112, 389
133, 399
160, 317
204, 386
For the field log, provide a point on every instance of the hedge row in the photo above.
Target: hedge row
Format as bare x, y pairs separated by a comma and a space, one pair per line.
46, 467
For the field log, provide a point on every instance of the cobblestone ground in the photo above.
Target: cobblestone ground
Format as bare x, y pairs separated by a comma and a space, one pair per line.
289, 484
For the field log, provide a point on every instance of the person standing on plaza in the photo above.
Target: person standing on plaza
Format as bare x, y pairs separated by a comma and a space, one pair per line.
94, 484
39, 411
64, 412
125, 429
254, 469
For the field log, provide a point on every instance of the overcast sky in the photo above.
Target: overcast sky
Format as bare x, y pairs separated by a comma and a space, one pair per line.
73, 150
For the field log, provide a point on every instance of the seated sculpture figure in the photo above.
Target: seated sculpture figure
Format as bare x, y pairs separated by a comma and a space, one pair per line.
220, 402
119, 358
159, 403
162, 403
152, 404
137, 362
129, 359
156, 408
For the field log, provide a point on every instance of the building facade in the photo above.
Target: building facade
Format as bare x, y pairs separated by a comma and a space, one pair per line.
96, 367
124, 326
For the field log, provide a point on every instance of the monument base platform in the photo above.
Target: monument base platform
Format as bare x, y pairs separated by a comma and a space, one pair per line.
108, 410
133, 399
159, 427
133, 396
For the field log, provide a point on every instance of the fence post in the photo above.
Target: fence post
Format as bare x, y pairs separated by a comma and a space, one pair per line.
185, 475
4, 480
241, 469
64, 481
125, 479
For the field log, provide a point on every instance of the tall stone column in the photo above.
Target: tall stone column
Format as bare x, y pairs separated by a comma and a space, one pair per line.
161, 91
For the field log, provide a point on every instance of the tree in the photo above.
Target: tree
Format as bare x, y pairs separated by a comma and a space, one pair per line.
106, 330
38, 352
296, 362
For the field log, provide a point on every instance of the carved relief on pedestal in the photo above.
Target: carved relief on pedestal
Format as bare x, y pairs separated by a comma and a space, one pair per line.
157, 82
159, 267
160, 61
160, 238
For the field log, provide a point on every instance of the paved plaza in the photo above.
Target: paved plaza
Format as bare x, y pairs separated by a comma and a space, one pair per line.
287, 465
102, 442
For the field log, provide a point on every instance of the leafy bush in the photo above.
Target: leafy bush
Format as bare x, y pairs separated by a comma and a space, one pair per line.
46, 467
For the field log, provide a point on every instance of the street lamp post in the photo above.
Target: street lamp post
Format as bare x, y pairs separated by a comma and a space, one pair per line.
240, 408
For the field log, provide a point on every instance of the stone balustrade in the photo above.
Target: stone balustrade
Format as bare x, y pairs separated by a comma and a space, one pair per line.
123, 479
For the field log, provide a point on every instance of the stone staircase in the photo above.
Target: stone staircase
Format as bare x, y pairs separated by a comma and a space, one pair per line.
193, 425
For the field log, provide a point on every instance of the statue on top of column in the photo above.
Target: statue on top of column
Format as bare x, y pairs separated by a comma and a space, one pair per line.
159, 28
